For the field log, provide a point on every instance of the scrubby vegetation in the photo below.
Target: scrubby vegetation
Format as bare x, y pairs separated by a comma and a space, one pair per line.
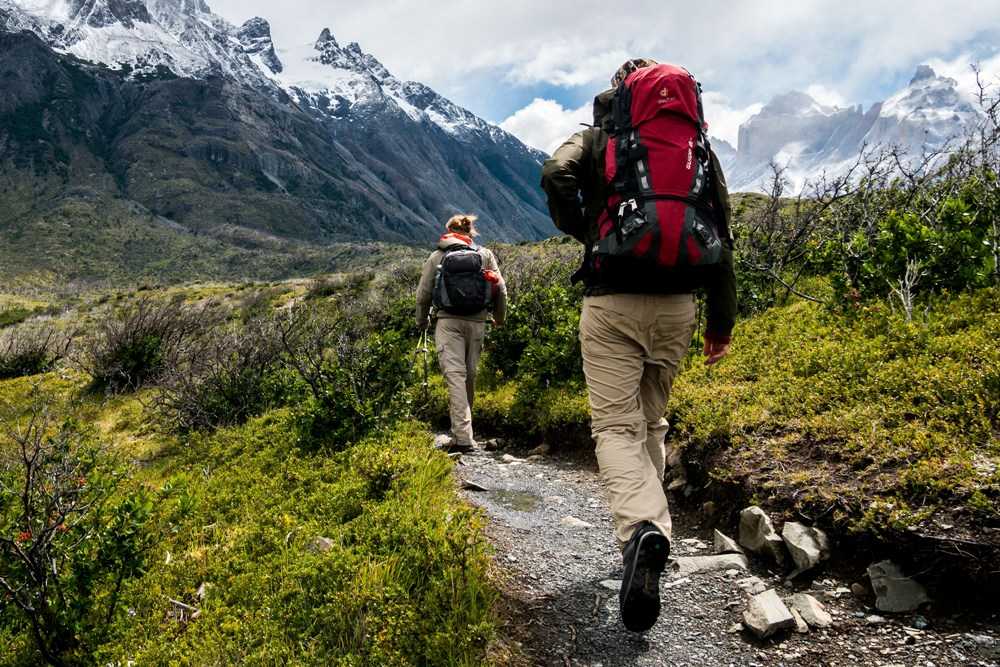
243, 474
230, 475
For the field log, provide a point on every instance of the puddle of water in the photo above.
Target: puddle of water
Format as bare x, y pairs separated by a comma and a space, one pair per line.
521, 501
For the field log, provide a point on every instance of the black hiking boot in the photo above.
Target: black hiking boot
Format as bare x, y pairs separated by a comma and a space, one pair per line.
645, 556
452, 447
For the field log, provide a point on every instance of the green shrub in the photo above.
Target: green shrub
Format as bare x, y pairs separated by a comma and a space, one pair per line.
357, 368
541, 337
73, 536
13, 316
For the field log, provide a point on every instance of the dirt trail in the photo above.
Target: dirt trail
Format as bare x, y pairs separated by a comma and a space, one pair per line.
549, 522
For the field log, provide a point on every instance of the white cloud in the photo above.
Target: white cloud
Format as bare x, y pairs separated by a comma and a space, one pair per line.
723, 118
826, 97
545, 124
843, 53
961, 69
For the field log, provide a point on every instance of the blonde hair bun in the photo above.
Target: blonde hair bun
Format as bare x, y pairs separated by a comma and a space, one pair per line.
462, 224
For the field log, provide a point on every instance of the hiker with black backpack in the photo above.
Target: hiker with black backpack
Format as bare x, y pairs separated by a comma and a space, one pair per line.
643, 192
462, 281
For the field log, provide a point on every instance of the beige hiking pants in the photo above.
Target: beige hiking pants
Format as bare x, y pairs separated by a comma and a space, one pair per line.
632, 346
458, 344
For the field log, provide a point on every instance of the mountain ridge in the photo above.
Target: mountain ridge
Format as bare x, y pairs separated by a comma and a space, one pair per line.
809, 140
236, 147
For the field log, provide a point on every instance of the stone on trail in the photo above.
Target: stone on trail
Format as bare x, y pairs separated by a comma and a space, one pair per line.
767, 614
541, 450
752, 585
801, 626
895, 592
808, 546
812, 611
612, 584
573, 522
758, 535
688, 565
725, 544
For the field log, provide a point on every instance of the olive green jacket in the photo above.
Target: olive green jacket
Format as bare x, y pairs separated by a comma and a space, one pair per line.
573, 179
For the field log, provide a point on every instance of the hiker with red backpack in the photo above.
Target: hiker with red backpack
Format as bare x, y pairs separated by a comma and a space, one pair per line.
643, 192
462, 281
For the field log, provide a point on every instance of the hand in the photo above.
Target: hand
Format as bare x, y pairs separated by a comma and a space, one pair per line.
714, 352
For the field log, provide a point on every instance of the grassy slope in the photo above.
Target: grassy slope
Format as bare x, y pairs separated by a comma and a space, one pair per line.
859, 421
406, 577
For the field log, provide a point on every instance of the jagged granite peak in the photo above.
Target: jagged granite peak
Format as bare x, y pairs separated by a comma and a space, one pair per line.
929, 92
350, 57
326, 37
255, 36
794, 104
809, 140
923, 73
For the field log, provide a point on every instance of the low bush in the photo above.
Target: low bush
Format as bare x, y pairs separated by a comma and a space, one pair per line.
74, 535
137, 343
226, 375
540, 341
30, 350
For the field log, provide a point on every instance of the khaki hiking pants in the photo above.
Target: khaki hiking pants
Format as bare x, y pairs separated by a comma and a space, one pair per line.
632, 346
458, 344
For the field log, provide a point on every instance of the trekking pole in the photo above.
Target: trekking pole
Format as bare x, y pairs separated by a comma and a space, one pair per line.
420, 348
423, 348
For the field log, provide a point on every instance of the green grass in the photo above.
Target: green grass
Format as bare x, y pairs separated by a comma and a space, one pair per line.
840, 414
404, 582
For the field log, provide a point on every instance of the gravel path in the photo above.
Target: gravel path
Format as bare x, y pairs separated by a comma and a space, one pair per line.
549, 522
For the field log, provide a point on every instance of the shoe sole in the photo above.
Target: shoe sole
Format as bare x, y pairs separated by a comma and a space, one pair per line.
640, 604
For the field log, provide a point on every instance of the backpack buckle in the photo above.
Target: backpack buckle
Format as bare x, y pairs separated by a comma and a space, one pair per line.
631, 218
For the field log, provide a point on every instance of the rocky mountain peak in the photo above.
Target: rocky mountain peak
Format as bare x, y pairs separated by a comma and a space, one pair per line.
807, 139
255, 36
102, 13
791, 104
325, 38
923, 73
350, 57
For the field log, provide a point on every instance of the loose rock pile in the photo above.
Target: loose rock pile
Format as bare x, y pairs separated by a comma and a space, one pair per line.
767, 613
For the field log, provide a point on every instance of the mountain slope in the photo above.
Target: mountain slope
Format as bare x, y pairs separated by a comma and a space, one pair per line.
208, 135
808, 139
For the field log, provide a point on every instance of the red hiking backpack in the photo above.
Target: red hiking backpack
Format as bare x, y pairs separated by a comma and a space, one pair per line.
659, 231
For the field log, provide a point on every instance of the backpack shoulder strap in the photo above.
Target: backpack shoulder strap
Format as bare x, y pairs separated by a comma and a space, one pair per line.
713, 188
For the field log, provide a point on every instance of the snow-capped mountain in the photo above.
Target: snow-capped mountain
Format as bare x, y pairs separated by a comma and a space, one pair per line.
323, 132
808, 139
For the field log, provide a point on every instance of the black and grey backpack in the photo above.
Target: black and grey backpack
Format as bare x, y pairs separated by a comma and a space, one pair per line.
461, 286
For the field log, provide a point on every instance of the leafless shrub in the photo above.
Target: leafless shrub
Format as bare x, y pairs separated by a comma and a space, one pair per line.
32, 348
224, 376
133, 346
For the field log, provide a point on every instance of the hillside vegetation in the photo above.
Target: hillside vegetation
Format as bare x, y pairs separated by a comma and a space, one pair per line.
244, 473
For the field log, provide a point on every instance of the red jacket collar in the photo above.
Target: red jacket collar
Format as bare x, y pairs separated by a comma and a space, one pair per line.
463, 239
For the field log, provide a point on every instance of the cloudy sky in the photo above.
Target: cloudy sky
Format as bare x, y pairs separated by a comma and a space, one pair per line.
533, 66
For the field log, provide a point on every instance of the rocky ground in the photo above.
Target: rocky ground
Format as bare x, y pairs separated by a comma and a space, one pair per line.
559, 568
